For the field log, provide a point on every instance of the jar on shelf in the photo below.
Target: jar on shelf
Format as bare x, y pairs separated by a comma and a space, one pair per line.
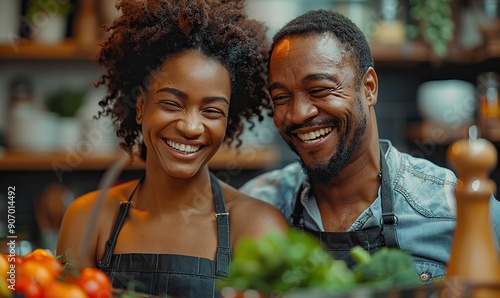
360, 12
488, 87
390, 27
488, 16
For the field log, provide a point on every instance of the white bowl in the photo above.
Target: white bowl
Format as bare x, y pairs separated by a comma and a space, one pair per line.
449, 103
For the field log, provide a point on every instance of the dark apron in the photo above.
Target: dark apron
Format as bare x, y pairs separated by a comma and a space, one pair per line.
339, 244
167, 274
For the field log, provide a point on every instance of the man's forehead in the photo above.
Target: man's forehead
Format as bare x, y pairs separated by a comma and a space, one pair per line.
314, 46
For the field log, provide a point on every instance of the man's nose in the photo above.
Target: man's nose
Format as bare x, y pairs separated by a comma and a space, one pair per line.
301, 110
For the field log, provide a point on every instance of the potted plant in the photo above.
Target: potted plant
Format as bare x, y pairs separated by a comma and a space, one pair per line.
66, 102
48, 19
433, 23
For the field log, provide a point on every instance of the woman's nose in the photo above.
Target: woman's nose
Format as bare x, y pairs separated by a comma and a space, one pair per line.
191, 125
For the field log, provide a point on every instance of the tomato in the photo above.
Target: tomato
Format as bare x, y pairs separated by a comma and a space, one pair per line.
58, 289
4, 266
4, 289
94, 282
14, 259
49, 261
39, 252
36, 272
28, 287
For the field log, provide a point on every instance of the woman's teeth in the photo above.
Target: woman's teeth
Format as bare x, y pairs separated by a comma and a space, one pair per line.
183, 148
314, 135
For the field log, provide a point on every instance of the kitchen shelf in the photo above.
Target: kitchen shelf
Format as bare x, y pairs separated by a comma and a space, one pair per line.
430, 133
483, 53
410, 52
68, 50
225, 158
71, 50
426, 132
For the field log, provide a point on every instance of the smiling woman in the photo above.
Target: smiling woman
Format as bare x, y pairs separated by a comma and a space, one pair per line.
181, 79
182, 126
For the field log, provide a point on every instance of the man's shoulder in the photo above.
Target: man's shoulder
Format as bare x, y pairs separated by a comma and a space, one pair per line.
425, 186
418, 168
275, 184
287, 174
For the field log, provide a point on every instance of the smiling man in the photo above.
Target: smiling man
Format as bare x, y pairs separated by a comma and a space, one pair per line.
349, 187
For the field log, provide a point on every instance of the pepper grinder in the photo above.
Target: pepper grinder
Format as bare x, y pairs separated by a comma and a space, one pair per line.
474, 260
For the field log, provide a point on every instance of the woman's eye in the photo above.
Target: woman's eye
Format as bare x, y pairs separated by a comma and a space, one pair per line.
170, 104
320, 92
214, 113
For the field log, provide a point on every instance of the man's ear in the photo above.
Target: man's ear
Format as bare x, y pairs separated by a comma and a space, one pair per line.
140, 105
370, 86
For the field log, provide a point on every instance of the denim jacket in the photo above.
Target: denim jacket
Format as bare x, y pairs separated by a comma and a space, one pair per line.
424, 204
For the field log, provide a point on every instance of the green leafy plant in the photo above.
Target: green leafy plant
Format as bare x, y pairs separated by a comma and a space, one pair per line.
65, 101
279, 263
386, 268
47, 8
282, 263
433, 22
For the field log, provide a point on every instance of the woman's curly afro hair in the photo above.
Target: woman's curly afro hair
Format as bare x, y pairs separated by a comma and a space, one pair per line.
150, 31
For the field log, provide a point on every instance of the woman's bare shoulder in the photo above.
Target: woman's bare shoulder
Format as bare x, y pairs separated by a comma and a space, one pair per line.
83, 206
115, 194
251, 217
79, 216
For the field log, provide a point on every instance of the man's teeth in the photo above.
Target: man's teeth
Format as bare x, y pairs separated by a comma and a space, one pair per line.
183, 147
314, 135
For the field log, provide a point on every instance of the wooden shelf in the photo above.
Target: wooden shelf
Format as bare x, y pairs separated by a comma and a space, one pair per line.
245, 157
484, 53
68, 50
409, 53
430, 133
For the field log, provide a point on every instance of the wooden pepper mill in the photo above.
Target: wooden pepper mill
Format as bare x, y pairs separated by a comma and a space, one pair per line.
474, 260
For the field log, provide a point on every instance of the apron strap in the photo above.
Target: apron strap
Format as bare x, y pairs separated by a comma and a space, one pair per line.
389, 220
111, 243
223, 258
120, 219
296, 218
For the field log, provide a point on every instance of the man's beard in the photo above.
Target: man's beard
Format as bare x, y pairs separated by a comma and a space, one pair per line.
322, 173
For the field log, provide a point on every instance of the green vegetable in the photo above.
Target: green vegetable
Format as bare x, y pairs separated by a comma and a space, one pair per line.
284, 263
279, 263
386, 268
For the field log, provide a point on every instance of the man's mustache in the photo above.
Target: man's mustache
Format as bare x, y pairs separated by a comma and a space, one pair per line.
312, 123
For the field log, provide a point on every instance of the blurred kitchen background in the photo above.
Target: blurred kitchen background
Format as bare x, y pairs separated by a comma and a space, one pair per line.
438, 63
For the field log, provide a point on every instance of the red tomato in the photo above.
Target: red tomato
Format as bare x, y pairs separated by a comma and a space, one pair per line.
14, 259
28, 287
50, 262
94, 282
36, 272
4, 266
57, 289
39, 252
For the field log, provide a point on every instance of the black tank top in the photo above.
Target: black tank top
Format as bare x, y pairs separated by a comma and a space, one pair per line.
169, 274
